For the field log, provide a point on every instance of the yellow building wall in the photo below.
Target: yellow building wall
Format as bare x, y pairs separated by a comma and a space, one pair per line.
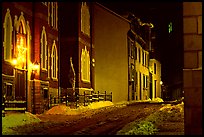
111, 55
143, 70
156, 77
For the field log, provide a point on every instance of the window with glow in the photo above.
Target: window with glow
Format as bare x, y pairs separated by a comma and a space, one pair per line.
85, 65
21, 49
54, 61
43, 42
170, 27
85, 19
7, 44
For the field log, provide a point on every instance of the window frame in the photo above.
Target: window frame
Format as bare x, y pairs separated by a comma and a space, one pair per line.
54, 58
44, 50
6, 42
85, 62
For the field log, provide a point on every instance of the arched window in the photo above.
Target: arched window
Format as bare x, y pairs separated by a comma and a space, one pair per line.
85, 19
7, 44
20, 49
43, 53
85, 65
54, 62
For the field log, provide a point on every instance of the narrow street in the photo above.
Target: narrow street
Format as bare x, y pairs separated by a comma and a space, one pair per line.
102, 121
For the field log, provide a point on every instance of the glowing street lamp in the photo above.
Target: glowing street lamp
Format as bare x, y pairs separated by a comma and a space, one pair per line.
161, 83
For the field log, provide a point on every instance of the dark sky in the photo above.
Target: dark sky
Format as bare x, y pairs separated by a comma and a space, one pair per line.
169, 47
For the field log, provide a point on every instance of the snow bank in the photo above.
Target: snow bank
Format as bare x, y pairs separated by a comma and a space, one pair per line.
66, 110
157, 100
17, 119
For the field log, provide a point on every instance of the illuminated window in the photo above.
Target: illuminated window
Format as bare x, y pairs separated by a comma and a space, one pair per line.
170, 27
7, 44
20, 49
85, 19
85, 65
43, 42
54, 61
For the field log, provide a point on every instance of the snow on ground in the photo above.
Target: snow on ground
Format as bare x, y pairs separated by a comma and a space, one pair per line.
167, 113
66, 110
17, 119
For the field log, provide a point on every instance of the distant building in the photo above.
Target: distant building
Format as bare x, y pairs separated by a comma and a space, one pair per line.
122, 56
30, 36
155, 72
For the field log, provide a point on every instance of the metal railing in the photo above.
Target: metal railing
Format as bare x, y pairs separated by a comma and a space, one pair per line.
84, 99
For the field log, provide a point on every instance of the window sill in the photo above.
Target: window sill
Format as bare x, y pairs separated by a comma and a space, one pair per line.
85, 81
54, 79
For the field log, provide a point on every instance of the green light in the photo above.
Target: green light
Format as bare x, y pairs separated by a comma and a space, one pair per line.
170, 27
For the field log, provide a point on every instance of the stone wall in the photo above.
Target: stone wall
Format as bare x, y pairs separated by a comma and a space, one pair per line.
192, 72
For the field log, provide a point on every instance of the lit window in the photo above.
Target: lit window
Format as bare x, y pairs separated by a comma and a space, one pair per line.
85, 19
54, 62
170, 27
20, 49
85, 65
43, 42
7, 44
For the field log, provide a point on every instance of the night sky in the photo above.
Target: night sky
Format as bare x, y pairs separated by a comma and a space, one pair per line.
168, 46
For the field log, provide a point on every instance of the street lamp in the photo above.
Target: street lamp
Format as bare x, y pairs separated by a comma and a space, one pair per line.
34, 67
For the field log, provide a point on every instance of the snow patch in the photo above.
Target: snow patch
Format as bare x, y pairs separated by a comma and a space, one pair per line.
66, 110
17, 119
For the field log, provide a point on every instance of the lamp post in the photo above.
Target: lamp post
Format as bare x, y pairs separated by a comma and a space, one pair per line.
35, 68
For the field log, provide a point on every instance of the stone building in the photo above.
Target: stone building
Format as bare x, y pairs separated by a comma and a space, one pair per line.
30, 53
192, 71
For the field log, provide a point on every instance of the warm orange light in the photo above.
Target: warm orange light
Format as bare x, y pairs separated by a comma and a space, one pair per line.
36, 67
14, 62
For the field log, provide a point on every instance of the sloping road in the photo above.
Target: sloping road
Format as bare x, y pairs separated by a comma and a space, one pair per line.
103, 121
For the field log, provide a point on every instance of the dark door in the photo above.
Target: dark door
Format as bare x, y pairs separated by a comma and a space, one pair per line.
20, 85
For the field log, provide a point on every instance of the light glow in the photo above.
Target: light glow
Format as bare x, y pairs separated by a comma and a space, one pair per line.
14, 62
161, 83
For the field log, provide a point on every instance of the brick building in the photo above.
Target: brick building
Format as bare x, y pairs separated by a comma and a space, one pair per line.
30, 53
76, 43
